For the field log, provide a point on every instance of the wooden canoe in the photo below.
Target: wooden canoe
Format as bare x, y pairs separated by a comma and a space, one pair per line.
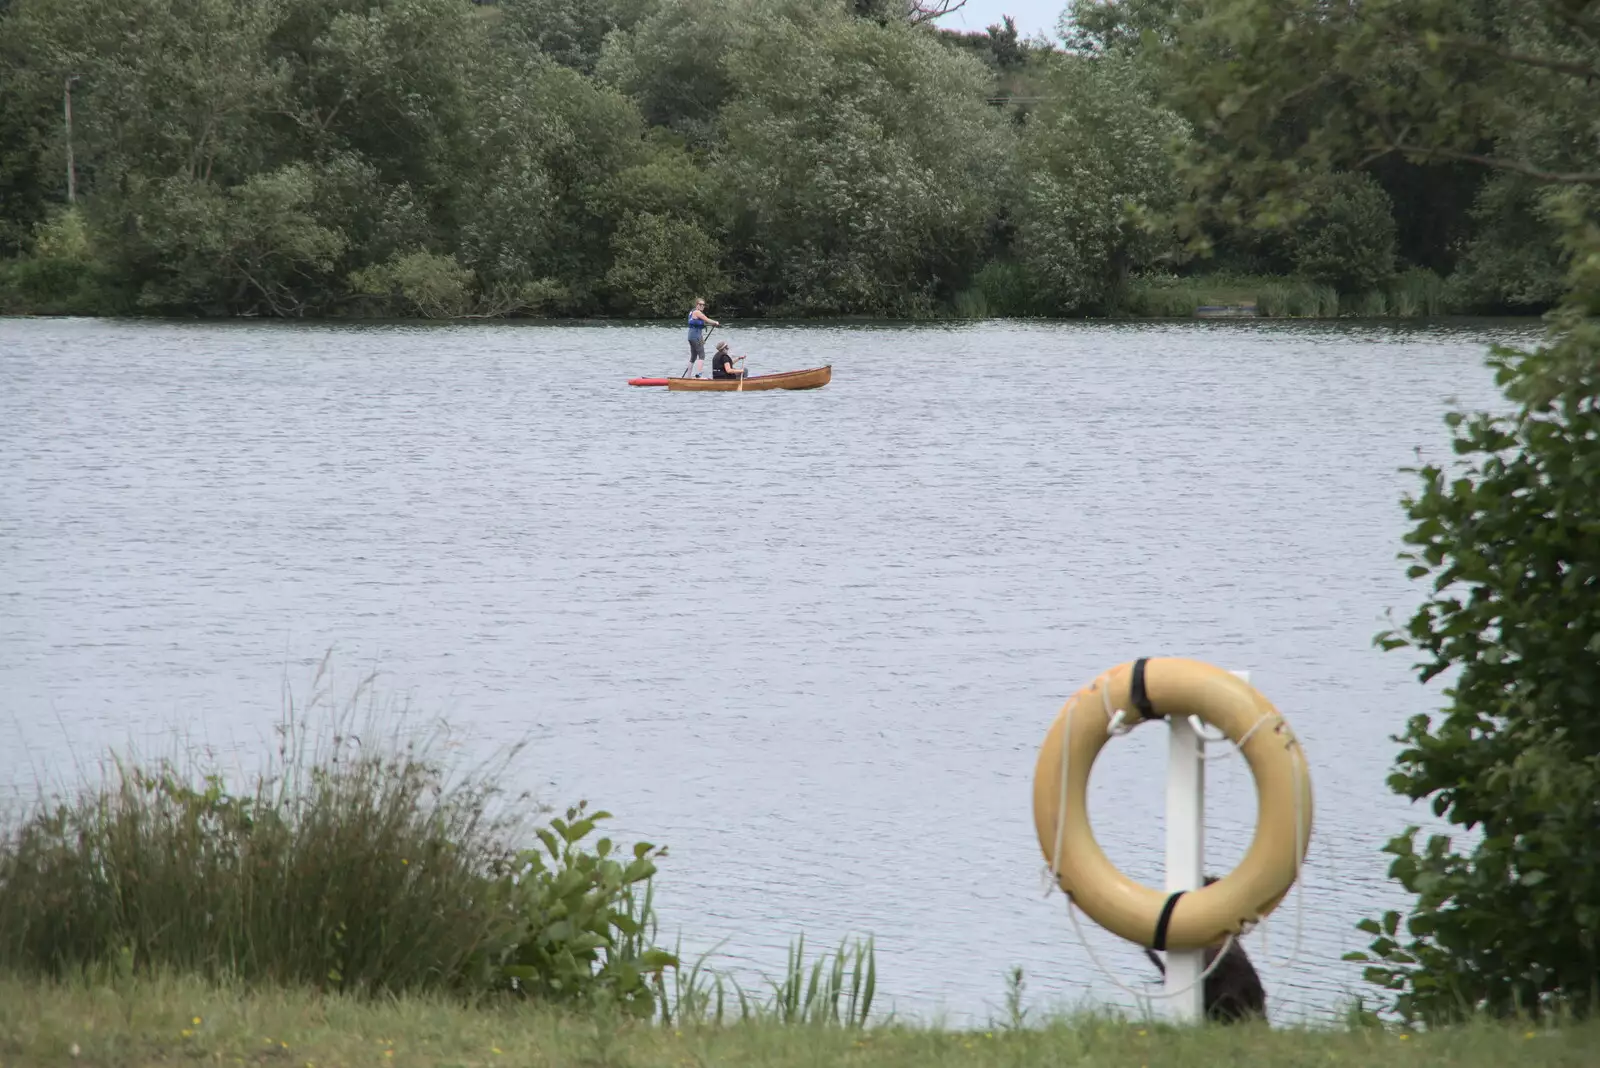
809, 379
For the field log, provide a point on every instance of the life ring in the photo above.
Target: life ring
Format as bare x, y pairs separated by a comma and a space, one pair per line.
1152, 689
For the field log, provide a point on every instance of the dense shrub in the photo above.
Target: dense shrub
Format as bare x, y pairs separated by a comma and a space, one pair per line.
1347, 239
1510, 539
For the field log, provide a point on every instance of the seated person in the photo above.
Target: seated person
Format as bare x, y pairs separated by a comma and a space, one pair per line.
722, 363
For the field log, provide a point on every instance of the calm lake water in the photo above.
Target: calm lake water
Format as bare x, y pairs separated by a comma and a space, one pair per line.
811, 641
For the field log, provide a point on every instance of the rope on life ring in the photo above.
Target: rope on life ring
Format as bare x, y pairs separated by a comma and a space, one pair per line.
1155, 689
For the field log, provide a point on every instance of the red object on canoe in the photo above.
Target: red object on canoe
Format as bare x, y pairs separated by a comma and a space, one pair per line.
647, 381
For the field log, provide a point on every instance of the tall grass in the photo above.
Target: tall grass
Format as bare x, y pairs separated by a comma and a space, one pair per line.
346, 863
1004, 289
1295, 298
837, 989
1418, 292
971, 304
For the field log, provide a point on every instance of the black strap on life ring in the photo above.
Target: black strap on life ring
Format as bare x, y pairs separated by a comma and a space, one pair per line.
1160, 943
1137, 693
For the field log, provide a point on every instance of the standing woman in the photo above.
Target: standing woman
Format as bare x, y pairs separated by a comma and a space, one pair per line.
697, 337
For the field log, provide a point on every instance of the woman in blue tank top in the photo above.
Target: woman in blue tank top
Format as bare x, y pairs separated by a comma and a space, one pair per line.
697, 337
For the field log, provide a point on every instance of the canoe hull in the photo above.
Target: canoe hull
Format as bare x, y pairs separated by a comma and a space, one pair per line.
813, 378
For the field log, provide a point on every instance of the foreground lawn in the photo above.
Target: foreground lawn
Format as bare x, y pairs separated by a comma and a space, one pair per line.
153, 1023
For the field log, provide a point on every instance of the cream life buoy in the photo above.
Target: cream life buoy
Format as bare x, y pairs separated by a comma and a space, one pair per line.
1153, 689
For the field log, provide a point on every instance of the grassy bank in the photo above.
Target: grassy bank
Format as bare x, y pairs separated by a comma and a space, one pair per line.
152, 1023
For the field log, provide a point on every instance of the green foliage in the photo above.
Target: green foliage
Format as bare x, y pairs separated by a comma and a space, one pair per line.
585, 919
267, 158
546, 143
571, 32
1346, 239
367, 868
1418, 291
1282, 89
359, 870
1005, 289
822, 996
151, 1022
1510, 539
254, 247
61, 276
1093, 160
675, 63
660, 264
1107, 26
1275, 297
861, 165
428, 284
165, 87
1513, 259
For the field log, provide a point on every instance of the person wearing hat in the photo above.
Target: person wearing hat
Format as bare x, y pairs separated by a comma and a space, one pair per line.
722, 364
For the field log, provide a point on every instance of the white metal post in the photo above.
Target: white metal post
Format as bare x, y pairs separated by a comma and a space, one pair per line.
1186, 855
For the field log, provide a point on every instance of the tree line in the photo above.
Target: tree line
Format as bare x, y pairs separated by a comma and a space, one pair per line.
617, 157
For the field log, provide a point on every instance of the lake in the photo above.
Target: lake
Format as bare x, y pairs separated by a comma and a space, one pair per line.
810, 641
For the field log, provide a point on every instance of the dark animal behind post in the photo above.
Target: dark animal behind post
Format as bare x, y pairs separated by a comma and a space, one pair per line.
1233, 993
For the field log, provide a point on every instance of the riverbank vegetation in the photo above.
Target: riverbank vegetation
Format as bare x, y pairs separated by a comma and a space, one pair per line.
369, 902
445, 158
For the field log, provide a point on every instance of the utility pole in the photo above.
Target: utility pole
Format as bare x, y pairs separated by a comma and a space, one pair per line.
72, 170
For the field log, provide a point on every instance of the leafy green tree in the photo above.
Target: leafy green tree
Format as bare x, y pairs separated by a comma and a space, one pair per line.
1279, 89
28, 179
861, 164
60, 275
250, 248
1513, 259
675, 62
428, 284
660, 264
1092, 159
571, 32
386, 81
1098, 27
544, 142
165, 87
1346, 239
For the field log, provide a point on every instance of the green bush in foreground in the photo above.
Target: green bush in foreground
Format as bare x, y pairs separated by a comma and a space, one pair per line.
1511, 541
347, 867
366, 869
